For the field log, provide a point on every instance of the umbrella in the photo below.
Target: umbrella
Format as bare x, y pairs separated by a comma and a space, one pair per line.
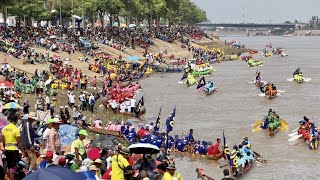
132, 25
67, 134
12, 105
47, 82
103, 141
133, 58
54, 173
5, 66
144, 148
76, 17
6, 84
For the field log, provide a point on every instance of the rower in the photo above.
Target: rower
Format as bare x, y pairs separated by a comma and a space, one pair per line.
190, 136
258, 78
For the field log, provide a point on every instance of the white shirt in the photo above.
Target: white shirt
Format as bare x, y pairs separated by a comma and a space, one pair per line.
127, 102
123, 107
133, 102
114, 105
82, 97
71, 98
108, 162
45, 136
91, 98
47, 100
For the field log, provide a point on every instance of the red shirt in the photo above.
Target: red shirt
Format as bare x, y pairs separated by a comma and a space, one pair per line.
216, 148
210, 150
142, 132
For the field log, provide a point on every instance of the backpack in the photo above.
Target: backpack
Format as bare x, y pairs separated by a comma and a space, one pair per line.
92, 101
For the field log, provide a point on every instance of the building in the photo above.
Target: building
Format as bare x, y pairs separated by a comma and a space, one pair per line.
314, 23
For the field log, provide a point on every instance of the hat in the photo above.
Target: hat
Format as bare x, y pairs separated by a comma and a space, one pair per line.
66, 106
92, 168
61, 107
56, 120
98, 161
33, 115
171, 166
162, 166
125, 151
83, 132
50, 120
44, 152
62, 161
49, 154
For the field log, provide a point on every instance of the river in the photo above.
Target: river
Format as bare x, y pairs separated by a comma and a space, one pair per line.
237, 106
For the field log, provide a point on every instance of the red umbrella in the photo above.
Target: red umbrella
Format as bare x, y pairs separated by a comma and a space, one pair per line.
5, 84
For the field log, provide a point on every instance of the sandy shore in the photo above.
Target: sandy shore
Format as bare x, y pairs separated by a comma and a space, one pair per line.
172, 48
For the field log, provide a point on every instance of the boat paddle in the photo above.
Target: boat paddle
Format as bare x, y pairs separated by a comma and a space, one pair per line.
222, 166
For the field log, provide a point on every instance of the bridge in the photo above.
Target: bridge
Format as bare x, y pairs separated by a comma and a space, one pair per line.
246, 25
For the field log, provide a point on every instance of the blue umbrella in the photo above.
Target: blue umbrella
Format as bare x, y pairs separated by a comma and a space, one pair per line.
67, 134
133, 58
54, 173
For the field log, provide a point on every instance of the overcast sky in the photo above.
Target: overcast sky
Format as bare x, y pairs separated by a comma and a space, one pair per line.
264, 11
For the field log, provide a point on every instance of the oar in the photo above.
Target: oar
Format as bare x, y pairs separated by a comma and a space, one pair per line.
294, 138
259, 158
256, 129
221, 166
293, 134
258, 123
295, 129
284, 125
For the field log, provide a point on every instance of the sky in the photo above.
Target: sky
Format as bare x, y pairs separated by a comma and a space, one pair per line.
259, 11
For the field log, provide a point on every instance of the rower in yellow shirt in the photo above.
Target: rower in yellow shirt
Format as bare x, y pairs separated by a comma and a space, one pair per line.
171, 173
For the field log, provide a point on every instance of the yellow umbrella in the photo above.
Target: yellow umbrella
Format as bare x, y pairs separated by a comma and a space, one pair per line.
12, 105
113, 76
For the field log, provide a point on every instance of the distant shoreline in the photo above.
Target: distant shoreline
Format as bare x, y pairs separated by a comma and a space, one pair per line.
251, 33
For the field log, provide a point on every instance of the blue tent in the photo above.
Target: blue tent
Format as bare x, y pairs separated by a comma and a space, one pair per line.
133, 58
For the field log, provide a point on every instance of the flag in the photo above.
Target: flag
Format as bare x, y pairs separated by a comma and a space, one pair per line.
170, 120
139, 106
226, 151
201, 82
166, 148
157, 125
297, 71
185, 75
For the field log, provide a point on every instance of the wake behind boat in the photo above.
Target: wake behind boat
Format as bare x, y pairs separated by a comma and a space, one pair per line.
298, 77
270, 91
306, 132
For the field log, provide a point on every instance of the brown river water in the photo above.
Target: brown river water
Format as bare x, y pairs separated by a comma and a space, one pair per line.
238, 105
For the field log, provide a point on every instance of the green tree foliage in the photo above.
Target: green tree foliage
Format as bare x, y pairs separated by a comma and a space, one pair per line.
172, 11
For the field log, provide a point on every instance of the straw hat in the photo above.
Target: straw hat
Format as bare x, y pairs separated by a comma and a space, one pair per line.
98, 161
93, 168
33, 115
56, 120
